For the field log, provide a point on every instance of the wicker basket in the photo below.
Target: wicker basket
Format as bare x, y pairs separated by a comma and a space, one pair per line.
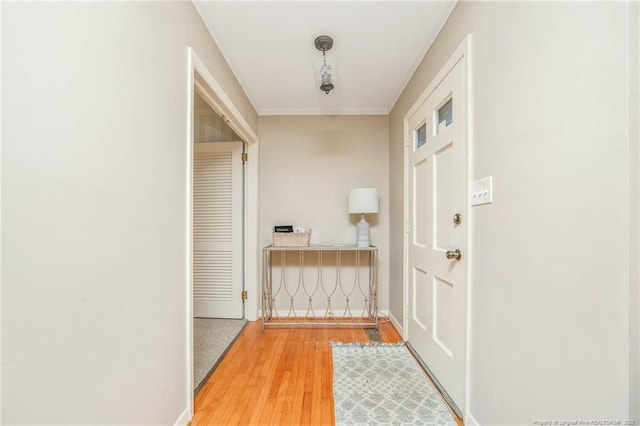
291, 239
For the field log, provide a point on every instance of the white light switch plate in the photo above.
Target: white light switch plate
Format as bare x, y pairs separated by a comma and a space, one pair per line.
482, 191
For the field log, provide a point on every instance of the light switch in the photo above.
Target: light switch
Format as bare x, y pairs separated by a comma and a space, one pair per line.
482, 191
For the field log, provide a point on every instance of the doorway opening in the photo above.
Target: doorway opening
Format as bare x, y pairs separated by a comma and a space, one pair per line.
221, 212
218, 239
218, 216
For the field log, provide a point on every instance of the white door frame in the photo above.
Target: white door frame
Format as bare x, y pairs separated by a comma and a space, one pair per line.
199, 77
462, 51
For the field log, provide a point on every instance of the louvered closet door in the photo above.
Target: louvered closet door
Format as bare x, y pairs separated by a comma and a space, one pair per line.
217, 230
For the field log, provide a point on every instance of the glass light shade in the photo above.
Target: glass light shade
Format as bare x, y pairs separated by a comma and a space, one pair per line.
326, 85
363, 200
323, 68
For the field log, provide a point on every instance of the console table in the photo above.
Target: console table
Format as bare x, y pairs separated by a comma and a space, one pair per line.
314, 287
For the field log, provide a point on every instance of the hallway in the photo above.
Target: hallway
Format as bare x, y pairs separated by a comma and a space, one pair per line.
283, 376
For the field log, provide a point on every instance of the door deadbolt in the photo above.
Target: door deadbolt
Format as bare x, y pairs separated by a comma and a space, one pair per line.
454, 254
457, 218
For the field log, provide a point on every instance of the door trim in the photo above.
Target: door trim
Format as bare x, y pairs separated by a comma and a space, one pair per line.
462, 52
199, 77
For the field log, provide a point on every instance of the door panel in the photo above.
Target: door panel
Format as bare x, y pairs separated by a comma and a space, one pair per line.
421, 298
443, 316
437, 188
421, 230
217, 230
443, 172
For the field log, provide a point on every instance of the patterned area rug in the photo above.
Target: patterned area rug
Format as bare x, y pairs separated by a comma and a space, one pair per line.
382, 384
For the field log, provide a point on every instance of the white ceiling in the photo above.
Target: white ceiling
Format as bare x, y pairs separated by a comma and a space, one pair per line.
377, 45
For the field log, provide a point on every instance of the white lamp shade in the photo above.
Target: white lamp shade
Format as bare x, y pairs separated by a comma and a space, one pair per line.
363, 200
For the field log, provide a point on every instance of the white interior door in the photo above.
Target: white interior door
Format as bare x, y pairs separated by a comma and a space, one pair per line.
437, 191
217, 230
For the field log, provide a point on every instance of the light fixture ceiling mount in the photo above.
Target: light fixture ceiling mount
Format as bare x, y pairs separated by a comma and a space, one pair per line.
324, 43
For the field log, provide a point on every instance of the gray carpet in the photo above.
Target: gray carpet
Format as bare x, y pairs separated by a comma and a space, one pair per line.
212, 338
382, 384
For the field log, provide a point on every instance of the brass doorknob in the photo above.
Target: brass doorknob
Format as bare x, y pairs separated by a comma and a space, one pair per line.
455, 254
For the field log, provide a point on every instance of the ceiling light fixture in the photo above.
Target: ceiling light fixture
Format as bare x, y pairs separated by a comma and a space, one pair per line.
324, 43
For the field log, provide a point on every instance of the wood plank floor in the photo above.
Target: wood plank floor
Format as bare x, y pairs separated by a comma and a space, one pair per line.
281, 377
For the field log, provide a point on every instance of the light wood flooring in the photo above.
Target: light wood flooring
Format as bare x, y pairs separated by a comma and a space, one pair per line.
281, 377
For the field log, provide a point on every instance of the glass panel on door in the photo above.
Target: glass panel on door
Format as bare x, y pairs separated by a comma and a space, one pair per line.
420, 136
444, 115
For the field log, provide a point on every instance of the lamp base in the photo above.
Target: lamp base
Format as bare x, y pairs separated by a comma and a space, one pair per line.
362, 233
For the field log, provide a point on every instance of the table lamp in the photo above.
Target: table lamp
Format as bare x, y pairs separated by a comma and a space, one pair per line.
363, 200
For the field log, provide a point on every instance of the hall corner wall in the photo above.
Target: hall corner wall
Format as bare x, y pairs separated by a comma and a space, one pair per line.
94, 125
550, 277
307, 166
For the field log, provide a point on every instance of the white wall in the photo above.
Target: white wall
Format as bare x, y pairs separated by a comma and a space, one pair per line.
93, 209
550, 278
307, 166
1, 174
634, 209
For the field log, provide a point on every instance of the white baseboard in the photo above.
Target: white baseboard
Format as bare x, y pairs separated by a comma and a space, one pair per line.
396, 324
184, 418
470, 421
